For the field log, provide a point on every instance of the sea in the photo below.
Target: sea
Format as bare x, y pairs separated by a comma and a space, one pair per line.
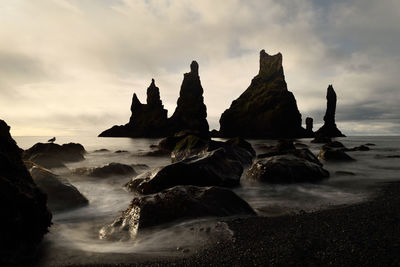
76, 231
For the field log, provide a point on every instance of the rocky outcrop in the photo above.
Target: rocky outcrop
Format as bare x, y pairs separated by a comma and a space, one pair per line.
286, 169
190, 113
266, 109
332, 154
177, 203
50, 155
61, 195
147, 120
329, 128
214, 168
112, 169
24, 214
309, 126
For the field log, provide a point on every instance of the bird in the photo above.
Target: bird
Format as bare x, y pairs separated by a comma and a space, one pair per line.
52, 140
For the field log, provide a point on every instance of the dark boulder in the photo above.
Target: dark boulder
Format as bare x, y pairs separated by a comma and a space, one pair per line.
50, 155
358, 148
177, 203
321, 140
329, 154
266, 109
147, 120
334, 144
286, 169
24, 214
329, 129
61, 195
112, 169
190, 113
214, 168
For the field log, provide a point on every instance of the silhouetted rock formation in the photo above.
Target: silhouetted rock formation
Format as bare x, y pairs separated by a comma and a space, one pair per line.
266, 108
147, 120
309, 126
329, 128
24, 214
190, 113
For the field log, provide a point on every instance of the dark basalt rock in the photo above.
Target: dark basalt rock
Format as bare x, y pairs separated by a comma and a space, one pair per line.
177, 203
309, 126
112, 169
329, 154
334, 144
50, 155
24, 214
321, 140
266, 109
358, 148
214, 168
61, 195
286, 169
190, 113
329, 128
147, 120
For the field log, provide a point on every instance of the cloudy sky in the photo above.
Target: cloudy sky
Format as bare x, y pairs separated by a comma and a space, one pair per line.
70, 67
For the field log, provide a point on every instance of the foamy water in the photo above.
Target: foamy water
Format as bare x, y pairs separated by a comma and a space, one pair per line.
78, 229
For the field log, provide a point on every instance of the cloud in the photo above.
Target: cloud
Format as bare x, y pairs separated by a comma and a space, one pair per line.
65, 60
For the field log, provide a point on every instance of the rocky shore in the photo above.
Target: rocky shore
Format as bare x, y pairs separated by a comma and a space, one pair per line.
364, 234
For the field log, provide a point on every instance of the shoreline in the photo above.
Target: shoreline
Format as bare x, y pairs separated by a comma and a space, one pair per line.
361, 234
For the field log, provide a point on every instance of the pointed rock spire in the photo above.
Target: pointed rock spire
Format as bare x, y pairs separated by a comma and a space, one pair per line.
153, 95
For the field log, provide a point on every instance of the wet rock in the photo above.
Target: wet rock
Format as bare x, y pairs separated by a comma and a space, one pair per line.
334, 144
345, 173
147, 120
190, 113
24, 214
266, 108
321, 140
358, 148
175, 204
301, 145
103, 150
121, 151
328, 154
52, 155
286, 169
112, 169
61, 195
370, 144
214, 168
329, 129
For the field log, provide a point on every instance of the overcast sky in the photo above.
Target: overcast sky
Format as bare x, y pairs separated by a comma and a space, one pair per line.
70, 67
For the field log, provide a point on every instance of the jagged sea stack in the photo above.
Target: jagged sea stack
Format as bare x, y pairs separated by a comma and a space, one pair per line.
190, 113
147, 120
329, 128
266, 109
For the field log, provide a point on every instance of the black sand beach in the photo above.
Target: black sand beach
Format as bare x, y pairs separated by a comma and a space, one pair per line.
365, 234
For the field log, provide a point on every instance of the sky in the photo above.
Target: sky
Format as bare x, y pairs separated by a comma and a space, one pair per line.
70, 67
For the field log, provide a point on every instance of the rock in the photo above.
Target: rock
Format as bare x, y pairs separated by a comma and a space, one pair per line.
370, 144
300, 145
358, 148
190, 113
266, 109
328, 154
329, 128
345, 173
214, 168
333, 144
121, 151
215, 133
24, 214
50, 155
147, 120
286, 169
309, 126
61, 195
103, 150
190, 146
112, 169
321, 140
177, 203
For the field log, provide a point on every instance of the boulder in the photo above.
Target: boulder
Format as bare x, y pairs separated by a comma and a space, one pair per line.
334, 144
50, 155
329, 154
24, 214
190, 113
112, 169
321, 140
358, 148
214, 168
329, 129
174, 204
266, 109
286, 169
147, 120
61, 195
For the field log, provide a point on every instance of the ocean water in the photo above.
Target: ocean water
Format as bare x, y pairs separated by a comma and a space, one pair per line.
77, 230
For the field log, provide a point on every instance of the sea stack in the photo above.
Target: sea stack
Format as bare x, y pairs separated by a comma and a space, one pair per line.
190, 113
147, 120
309, 126
266, 109
329, 128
